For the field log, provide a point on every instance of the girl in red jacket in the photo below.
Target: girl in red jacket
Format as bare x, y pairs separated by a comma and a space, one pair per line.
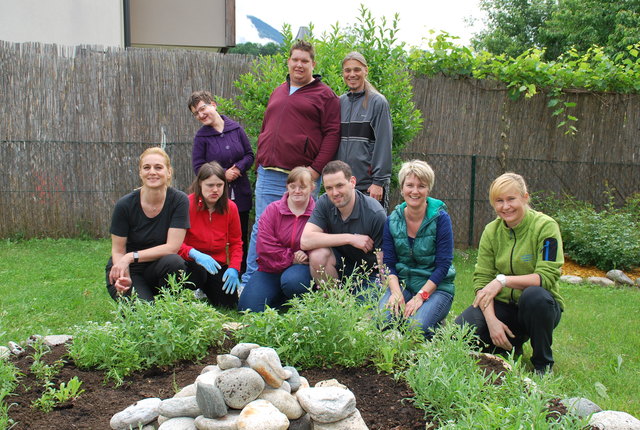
215, 230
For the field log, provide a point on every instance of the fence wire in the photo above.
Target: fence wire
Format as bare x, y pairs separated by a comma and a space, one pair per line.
68, 189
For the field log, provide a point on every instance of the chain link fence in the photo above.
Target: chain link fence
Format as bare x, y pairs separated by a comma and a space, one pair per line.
68, 189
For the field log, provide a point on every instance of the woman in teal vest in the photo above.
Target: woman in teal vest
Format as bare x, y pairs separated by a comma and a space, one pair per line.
418, 252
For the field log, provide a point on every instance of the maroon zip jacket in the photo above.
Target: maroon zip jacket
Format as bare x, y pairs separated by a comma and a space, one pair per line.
301, 129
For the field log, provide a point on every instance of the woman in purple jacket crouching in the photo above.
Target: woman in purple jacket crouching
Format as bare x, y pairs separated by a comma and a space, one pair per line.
283, 268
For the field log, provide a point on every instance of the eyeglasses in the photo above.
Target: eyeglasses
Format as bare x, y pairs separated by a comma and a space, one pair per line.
200, 110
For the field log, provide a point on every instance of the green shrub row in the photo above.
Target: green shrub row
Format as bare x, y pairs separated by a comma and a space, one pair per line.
608, 239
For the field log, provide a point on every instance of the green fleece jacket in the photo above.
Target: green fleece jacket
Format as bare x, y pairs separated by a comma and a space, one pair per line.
533, 246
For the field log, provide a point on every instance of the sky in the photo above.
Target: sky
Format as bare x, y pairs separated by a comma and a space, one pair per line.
417, 17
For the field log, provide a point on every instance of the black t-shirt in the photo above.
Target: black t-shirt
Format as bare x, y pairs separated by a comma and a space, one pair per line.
142, 232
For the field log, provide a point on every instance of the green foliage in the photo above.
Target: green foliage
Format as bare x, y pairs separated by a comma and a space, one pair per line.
450, 387
251, 48
9, 376
44, 372
144, 334
608, 239
529, 73
512, 26
56, 396
388, 72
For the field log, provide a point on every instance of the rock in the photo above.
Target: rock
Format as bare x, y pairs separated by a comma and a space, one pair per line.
331, 383
149, 427
327, 404
4, 352
210, 376
34, 338
210, 400
262, 415
285, 402
233, 326
15, 349
179, 423
266, 362
180, 407
637, 283
580, 406
227, 422
188, 391
294, 379
57, 339
570, 279
242, 350
228, 361
210, 368
302, 423
603, 282
285, 386
619, 277
239, 386
614, 420
161, 419
140, 413
352, 422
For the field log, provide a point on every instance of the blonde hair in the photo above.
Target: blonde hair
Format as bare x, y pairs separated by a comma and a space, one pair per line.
368, 86
420, 169
301, 174
505, 182
159, 151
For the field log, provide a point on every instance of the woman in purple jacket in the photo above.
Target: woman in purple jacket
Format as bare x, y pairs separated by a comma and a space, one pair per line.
283, 268
223, 140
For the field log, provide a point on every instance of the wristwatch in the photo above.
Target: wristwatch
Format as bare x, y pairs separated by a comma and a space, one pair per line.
502, 279
136, 256
424, 294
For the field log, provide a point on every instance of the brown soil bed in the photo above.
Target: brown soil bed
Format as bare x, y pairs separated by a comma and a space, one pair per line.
572, 268
382, 402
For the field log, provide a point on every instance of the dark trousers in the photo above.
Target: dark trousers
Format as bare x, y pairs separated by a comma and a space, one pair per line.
534, 317
211, 285
147, 278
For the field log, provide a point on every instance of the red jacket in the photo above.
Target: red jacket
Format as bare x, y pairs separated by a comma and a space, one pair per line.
279, 232
301, 129
211, 233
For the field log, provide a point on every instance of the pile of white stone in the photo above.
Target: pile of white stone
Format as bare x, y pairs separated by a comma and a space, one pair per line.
613, 277
248, 389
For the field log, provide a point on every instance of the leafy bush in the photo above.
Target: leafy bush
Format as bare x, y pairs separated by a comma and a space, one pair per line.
388, 72
145, 334
331, 327
451, 388
608, 239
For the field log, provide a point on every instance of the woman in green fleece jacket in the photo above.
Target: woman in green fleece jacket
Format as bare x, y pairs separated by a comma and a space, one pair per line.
516, 276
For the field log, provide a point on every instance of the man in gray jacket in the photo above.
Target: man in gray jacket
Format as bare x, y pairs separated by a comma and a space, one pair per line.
366, 130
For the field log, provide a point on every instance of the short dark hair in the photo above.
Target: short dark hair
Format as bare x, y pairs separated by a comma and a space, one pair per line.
303, 45
206, 171
336, 166
200, 96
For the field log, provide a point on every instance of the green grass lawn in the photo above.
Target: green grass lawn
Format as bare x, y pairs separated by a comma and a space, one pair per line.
47, 286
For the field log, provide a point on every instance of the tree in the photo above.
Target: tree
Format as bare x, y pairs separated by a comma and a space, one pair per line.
251, 48
612, 24
512, 26
388, 72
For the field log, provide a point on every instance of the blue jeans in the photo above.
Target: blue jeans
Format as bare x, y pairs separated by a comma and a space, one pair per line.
429, 315
270, 187
274, 289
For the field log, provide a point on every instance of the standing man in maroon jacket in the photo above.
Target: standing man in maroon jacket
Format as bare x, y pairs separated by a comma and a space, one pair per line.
301, 127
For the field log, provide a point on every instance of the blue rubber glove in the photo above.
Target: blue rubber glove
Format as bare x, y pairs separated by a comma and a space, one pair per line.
231, 281
205, 261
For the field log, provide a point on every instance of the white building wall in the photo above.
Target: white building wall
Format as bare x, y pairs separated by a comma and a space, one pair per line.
64, 22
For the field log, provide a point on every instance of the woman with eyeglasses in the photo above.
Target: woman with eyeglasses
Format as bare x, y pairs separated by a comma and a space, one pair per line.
223, 140
147, 229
